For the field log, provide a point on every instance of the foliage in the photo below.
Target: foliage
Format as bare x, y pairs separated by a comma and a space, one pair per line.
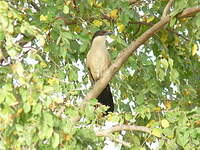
43, 45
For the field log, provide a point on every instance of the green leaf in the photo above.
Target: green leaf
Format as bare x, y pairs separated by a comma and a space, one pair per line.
37, 109
48, 119
73, 75
168, 132
157, 132
10, 98
55, 140
2, 36
172, 22
128, 116
2, 96
62, 52
164, 63
182, 139
197, 20
140, 99
171, 62
45, 132
26, 107
174, 75
83, 47
66, 35
161, 74
171, 145
180, 5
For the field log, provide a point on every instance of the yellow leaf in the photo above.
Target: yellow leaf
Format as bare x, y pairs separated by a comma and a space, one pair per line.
3, 5
164, 123
43, 18
176, 41
164, 36
68, 2
157, 109
53, 81
18, 68
113, 13
121, 27
157, 132
150, 19
10, 14
99, 4
68, 137
41, 39
43, 64
77, 29
168, 105
150, 123
194, 49
97, 23
92, 2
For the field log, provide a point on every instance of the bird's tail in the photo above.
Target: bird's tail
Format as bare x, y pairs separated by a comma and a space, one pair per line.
106, 99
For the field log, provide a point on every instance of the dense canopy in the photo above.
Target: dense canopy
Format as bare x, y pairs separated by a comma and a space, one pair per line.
45, 92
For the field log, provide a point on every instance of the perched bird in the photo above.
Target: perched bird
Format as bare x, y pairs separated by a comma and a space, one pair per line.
97, 61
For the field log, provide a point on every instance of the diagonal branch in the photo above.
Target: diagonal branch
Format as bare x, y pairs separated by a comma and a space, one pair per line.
127, 52
166, 10
170, 30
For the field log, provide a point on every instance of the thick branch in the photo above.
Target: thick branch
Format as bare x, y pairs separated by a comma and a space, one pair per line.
133, 1
107, 132
166, 10
127, 52
170, 30
189, 12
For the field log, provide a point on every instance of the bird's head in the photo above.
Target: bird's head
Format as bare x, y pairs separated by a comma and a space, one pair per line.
101, 33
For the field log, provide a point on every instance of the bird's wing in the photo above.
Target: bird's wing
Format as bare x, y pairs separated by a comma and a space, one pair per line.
89, 71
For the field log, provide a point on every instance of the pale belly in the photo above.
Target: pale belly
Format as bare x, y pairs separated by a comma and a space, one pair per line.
98, 62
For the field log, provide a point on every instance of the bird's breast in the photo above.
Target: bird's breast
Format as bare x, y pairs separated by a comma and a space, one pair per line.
98, 61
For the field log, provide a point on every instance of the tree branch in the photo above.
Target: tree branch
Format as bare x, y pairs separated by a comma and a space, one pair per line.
127, 52
118, 128
107, 132
166, 10
66, 21
170, 30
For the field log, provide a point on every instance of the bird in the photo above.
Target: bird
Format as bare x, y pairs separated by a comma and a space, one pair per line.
97, 61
